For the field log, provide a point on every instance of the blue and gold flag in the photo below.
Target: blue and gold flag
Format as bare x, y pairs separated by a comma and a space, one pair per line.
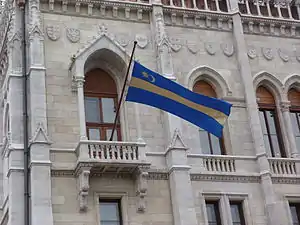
150, 88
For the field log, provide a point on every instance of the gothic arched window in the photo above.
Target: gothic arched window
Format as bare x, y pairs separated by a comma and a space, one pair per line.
210, 144
270, 123
294, 98
100, 100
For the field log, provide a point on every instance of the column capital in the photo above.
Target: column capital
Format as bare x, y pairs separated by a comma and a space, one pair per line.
79, 81
285, 106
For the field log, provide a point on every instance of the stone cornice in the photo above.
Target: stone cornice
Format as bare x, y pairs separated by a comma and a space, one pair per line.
225, 178
197, 12
276, 21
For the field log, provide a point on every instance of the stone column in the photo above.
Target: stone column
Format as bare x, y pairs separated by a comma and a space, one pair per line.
271, 204
14, 153
79, 80
40, 165
285, 108
182, 197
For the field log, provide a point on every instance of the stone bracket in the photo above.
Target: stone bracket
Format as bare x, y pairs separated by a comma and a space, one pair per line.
141, 187
83, 187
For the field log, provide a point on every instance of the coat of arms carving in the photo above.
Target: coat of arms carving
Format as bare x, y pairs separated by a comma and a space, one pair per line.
53, 32
73, 34
142, 40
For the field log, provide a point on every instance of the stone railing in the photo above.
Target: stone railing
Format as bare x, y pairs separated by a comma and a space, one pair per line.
110, 152
208, 5
283, 9
226, 164
284, 166
217, 164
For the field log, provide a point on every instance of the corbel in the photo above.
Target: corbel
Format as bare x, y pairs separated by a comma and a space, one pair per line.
141, 188
83, 187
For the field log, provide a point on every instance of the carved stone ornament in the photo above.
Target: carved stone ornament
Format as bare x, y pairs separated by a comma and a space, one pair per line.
53, 32
192, 47
175, 44
73, 34
283, 54
228, 49
142, 40
268, 53
297, 53
123, 40
252, 52
210, 48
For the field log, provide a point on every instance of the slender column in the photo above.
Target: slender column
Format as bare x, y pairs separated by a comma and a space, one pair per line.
285, 108
268, 8
80, 96
247, 7
289, 10
258, 7
279, 9
217, 5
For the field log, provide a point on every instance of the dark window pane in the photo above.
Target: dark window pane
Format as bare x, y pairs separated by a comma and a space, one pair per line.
237, 213
108, 109
108, 134
204, 142
215, 143
295, 212
109, 212
92, 111
213, 215
295, 123
94, 134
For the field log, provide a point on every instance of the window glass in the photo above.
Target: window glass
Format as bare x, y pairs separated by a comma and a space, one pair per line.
295, 212
92, 110
94, 134
215, 142
237, 214
108, 134
213, 215
108, 109
204, 141
109, 213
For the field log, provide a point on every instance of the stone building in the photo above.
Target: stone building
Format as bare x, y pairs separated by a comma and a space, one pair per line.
159, 170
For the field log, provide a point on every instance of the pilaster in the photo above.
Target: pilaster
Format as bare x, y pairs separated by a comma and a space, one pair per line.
182, 198
40, 164
271, 206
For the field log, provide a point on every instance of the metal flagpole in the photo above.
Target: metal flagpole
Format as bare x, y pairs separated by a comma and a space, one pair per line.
122, 93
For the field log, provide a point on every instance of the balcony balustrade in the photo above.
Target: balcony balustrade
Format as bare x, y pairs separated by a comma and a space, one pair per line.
284, 166
107, 156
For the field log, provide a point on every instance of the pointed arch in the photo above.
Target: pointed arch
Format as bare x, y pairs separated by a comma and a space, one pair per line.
292, 81
212, 77
269, 81
105, 55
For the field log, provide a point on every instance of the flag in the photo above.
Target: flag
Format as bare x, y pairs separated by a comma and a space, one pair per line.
150, 88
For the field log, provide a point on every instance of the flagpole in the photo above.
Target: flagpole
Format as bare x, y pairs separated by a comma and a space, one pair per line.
123, 91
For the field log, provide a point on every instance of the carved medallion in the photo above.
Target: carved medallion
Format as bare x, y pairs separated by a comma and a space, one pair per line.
175, 44
228, 49
73, 34
122, 39
210, 48
53, 32
268, 53
297, 53
142, 40
252, 52
192, 47
283, 54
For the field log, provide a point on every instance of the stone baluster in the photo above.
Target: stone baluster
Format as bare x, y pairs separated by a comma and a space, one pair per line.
217, 5
258, 7
247, 7
206, 5
269, 8
288, 5
278, 9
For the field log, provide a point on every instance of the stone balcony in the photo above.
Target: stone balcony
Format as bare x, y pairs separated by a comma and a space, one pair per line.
240, 168
99, 157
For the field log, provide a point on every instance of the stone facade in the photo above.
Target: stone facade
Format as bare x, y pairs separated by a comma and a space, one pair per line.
171, 179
